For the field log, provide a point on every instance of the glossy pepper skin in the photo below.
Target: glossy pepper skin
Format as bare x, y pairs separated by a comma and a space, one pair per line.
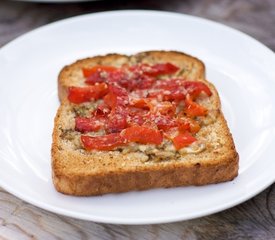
136, 105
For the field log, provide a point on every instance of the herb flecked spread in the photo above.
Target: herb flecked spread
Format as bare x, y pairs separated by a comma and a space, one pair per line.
139, 108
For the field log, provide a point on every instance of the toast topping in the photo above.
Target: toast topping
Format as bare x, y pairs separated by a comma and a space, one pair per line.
140, 104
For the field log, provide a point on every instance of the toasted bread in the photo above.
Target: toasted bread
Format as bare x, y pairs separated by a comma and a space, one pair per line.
77, 171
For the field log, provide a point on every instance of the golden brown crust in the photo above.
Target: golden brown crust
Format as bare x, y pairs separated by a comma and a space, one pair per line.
81, 173
115, 182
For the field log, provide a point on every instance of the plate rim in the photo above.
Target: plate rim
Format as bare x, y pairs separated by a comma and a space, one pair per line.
116, 220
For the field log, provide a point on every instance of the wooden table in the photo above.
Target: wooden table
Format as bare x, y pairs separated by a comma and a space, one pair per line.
254, 219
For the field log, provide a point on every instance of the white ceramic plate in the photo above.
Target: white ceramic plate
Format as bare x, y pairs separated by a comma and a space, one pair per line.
239, 66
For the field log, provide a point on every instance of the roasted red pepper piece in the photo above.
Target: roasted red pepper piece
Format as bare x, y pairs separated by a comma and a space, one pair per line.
162, 68
136, 116
102, 110
117, 121
188, 124
183, 140
167, 95
87, 72
194, 89
120, 78
143, 135
92, 124
117, 96
140, 103
155, 70
163, 122
192, 109
168, 90
165, 107
98, 74
84, 94
104, 143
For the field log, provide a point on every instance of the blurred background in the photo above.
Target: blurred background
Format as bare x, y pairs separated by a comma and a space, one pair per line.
254, 17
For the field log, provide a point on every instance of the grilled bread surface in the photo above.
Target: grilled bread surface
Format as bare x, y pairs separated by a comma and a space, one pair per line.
75, 171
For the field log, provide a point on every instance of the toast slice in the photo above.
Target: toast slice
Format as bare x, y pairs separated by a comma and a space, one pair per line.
76, 171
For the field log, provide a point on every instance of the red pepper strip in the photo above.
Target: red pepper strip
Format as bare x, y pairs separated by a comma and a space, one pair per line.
136, 116
195, 88
165, 107
183, 140
104, 143
87, 72
155, 70
117, 121
162, 68
102, 110
163, 122
143, 135
117, 96
85, 94
92, 124
188, 124
193, 109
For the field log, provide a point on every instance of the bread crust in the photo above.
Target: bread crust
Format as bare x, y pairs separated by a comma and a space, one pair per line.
116, 182
83, 173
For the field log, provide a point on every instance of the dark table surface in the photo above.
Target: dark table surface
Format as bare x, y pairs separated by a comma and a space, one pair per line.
254, 219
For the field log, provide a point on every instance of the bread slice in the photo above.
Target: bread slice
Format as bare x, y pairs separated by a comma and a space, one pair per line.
212, 159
